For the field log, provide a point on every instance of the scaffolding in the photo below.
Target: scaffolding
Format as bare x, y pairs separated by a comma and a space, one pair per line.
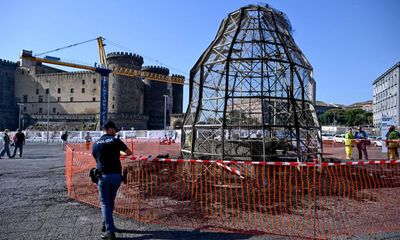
252, 94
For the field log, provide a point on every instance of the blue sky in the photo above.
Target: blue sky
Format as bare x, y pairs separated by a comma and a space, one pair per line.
348, 42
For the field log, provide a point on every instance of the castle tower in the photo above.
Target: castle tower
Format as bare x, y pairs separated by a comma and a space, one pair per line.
8, 113
177, 96
154, 98
250, 96
126, 94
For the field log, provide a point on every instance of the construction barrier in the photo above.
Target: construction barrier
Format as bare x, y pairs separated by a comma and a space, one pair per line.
287, 199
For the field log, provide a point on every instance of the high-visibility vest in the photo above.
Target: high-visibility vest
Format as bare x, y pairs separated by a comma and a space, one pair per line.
347, 139
393, 135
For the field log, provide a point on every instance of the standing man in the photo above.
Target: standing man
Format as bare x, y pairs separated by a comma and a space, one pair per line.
362, 138
19, 141
88, 140
106, 151
64, 138
6, 144
391, 141
348, 143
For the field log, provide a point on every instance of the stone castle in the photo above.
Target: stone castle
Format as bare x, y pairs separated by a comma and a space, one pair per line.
72, 99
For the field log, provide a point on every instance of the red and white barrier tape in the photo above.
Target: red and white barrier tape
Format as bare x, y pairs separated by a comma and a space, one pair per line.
224, 163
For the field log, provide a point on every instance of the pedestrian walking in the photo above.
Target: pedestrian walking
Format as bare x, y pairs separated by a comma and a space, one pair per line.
19, 142
361, 141
64, 138
348, 143
392, 138
106, 151
6, 144
88, 140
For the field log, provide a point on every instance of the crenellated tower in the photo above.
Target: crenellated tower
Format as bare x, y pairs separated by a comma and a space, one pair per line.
154, 98
8, 113
126, 94
177, 95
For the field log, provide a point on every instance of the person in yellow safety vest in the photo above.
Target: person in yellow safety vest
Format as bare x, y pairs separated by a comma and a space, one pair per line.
391, 142
348, 143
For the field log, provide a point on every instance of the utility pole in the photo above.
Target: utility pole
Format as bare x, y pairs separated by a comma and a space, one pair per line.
165, 114
48, 111
19, 114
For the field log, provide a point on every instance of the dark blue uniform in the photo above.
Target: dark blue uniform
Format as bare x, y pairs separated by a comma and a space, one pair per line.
106, 151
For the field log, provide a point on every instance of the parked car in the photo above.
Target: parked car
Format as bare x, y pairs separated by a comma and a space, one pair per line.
339, 138
327, 137
376, 141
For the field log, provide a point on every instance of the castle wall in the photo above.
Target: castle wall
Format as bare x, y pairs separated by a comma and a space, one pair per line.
70, 92
75, 96
9, 110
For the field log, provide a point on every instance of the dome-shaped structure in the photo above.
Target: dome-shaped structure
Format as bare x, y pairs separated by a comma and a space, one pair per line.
252, 93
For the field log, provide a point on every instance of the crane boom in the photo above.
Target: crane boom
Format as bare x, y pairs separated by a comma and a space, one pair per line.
56, 62
115, 70
148, 75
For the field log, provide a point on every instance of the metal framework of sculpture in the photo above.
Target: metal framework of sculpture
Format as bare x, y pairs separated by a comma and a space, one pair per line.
252, 93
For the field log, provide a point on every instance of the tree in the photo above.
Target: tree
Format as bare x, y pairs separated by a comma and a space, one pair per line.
348, 117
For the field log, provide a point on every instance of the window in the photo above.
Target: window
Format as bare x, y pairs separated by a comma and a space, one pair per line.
37, 91
59, 90
113, 106
25, 98
24, 109
94, 80
72, 90
113, 98
71, 99
59, 99
40, 110
94, 99
47, 91
83, 90
40, 98
83, 82
54, 110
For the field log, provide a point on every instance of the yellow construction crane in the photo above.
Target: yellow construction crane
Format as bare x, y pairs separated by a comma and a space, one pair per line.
103, 70
103, 64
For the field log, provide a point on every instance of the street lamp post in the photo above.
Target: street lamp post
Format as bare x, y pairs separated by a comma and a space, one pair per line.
165, 114
48, 112
19, 114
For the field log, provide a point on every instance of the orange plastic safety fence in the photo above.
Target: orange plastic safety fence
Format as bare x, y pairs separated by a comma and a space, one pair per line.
312, 201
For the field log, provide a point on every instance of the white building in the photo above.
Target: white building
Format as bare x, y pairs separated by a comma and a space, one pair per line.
386, 92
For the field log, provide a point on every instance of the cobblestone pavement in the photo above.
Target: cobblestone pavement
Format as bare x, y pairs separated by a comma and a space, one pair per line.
34, 205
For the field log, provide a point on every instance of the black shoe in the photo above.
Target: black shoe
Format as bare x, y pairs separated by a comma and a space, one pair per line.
103, 228
108, 235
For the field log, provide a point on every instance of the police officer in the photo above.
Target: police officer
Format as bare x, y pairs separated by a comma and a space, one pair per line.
106, 151
361, 143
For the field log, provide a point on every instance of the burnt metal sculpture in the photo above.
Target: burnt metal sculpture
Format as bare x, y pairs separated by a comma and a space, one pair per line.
252, 93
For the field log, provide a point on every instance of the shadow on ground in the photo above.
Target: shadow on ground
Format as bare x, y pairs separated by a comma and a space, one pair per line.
181, 235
